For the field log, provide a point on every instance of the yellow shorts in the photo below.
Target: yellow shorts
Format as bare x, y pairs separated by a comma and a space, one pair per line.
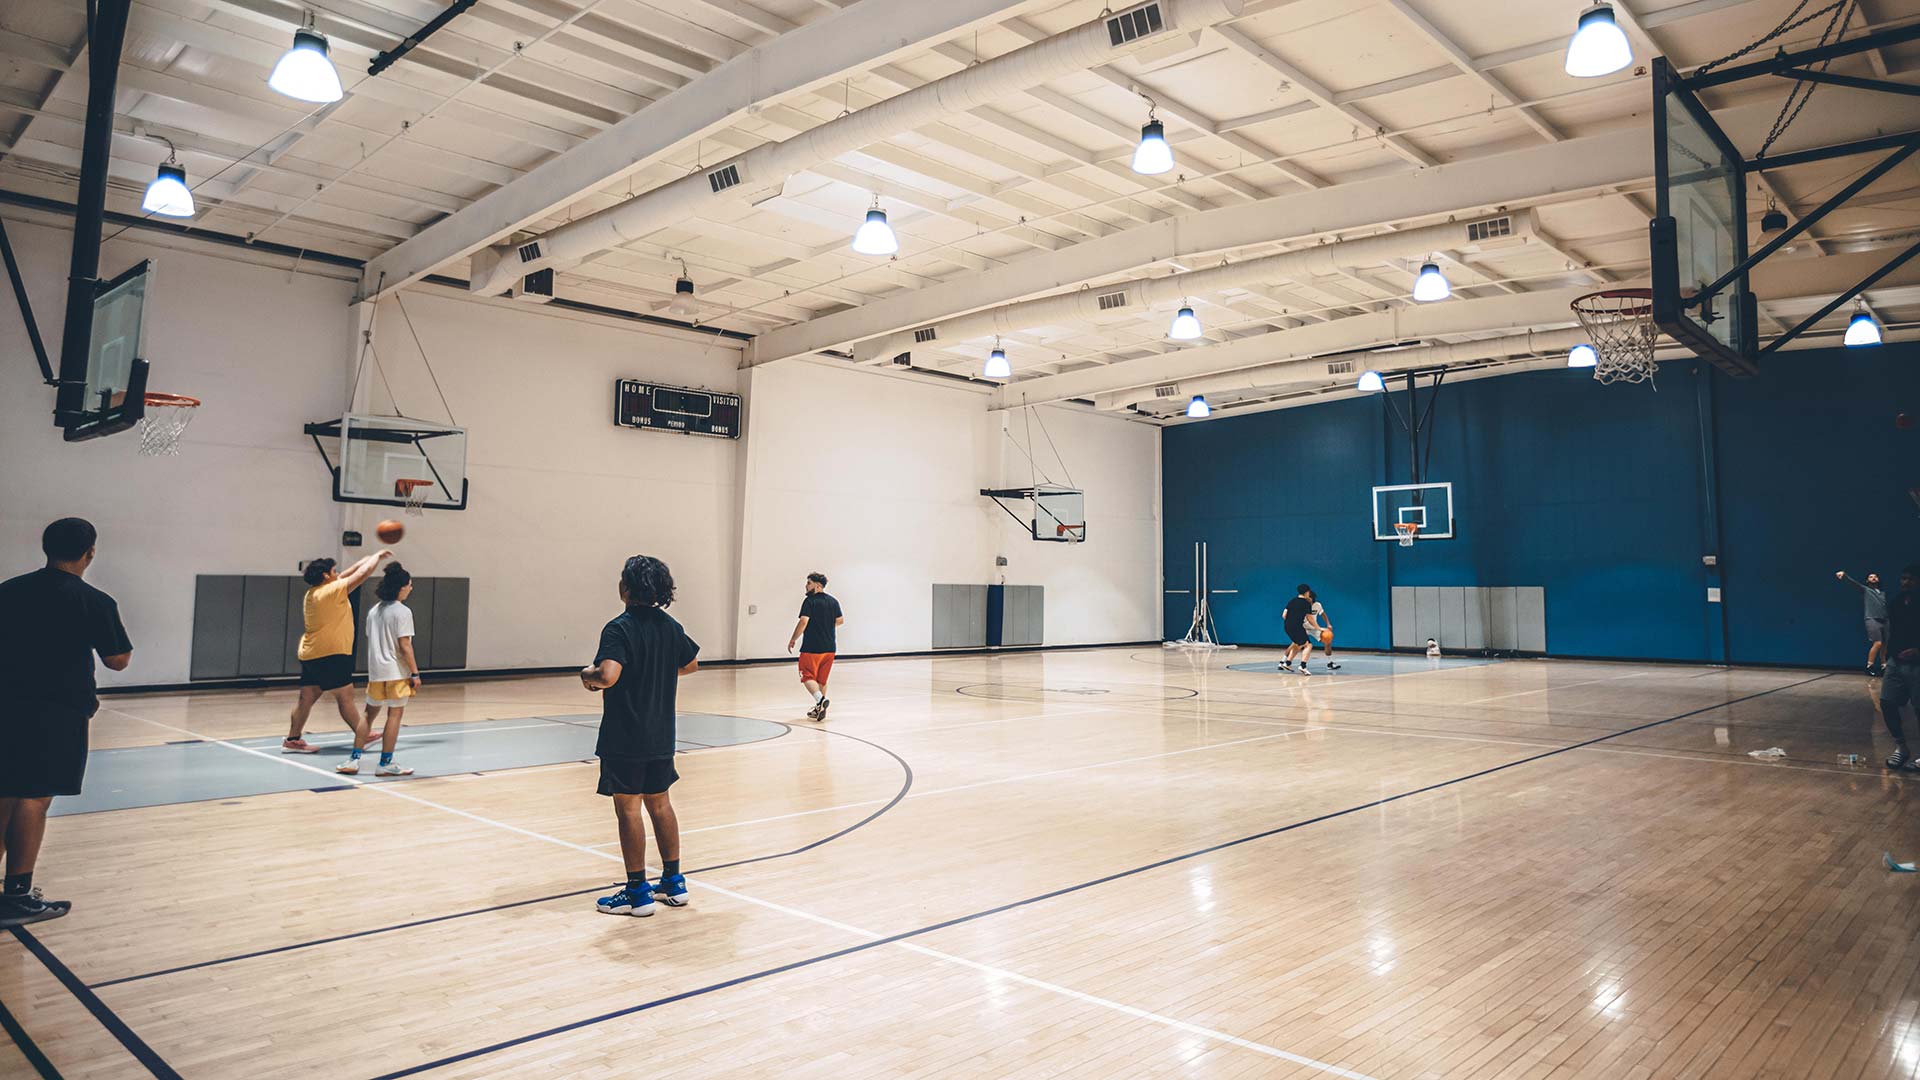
391, 692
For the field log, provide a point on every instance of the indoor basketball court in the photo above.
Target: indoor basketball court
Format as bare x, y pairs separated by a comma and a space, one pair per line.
1002, 538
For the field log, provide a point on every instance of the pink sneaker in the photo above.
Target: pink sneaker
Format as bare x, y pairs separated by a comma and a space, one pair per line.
297, 746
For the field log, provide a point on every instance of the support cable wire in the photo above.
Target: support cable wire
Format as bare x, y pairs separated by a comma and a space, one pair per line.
423, 359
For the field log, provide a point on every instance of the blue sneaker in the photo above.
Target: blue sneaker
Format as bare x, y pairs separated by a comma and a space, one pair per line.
672, 891
626, 902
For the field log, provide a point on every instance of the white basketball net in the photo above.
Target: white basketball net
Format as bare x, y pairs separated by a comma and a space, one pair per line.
163, 421
1619, 324
1408, 531
415, 493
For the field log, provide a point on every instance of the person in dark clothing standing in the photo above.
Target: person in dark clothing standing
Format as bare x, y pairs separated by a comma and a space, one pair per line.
1294, 620
643, 652
1901, 686
819, 617
1874, 616
52, 624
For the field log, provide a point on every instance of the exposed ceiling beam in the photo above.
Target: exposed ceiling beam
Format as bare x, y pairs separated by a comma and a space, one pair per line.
1322, 96
805, 58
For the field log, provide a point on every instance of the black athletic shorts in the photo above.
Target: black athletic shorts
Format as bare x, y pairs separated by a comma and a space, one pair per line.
1298, 635
46, 749
327, 672
636, 776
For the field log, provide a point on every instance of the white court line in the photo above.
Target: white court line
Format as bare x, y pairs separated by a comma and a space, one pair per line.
1550, 689
821, 920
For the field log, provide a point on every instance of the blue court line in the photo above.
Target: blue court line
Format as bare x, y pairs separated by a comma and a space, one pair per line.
1056, 893
906, 784
115, 1026
26, 1045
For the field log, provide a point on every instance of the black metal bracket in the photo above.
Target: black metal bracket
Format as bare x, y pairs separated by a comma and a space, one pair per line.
1835, 304
385, 60
1784, 61
330, 429
26, 310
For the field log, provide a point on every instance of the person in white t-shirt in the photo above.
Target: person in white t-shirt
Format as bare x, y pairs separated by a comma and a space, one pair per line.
1322, 630
392, 672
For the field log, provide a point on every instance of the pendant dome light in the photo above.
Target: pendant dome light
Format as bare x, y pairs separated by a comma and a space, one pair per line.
1198, 408
1186, 325
168, 194
875, 236
997, 365
1862, 329
1431, 285
1582, 355
1598, 46
305, 71
1371, 383
1153, 156
683, 304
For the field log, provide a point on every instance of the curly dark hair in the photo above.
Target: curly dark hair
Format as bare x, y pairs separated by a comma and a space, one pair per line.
395, 579
316, 571
818, 578
647, 581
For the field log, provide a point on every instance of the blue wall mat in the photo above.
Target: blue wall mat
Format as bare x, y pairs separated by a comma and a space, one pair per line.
1597, 493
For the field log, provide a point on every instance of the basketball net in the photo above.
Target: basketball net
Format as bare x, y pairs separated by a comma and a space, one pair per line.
1072, 534
163, 421
1619, 325
1408, 531
415, 494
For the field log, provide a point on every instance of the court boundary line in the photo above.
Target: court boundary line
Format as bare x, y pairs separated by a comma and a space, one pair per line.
906, 785
903, 937
27, 1047
107, 1018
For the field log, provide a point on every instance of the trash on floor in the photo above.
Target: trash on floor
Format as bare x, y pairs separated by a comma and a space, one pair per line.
1896, 867
1771, 753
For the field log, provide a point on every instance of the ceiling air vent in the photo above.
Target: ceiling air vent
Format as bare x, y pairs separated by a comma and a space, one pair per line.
1134, 24
722, 179
1490, 229
1109, 301
924, 335
530, 252
1340, 367
1167, 390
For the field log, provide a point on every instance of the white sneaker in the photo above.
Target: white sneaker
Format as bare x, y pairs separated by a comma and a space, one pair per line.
349, 766
393, 768
1303, 670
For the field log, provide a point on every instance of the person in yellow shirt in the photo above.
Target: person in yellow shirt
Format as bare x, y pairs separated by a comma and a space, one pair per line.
326, 648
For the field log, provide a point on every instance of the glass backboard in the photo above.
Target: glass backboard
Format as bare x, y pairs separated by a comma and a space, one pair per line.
1429, 506
383, 457
1060, 515
1699, 228
112, 397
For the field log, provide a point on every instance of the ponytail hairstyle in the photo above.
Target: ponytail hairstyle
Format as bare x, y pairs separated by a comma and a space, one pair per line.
395, 580
647, 581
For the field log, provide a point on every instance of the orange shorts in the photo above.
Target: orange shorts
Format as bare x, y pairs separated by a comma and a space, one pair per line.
815, 666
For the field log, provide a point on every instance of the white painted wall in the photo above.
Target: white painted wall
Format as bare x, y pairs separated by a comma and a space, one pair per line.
869, 477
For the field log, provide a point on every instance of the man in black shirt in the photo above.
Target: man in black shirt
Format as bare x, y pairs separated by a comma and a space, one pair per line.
51, 626
819, 615
1295, 621
643, 652
1901, 686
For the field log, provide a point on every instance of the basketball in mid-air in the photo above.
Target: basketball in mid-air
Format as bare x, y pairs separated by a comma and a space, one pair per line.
389, 531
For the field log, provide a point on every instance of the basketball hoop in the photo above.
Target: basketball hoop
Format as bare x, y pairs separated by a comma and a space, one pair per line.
415, 493
1408, 530
1072, 534
163, 421
1619, 324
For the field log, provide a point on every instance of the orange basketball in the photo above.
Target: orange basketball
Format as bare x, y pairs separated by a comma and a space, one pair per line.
389, 531
1326, 637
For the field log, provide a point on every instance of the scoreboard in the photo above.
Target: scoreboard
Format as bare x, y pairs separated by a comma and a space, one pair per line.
674, 408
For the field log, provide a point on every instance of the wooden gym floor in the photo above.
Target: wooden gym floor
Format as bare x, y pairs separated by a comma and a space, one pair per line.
1098, 863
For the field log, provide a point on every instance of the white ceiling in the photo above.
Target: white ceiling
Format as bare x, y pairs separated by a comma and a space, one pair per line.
1292, 96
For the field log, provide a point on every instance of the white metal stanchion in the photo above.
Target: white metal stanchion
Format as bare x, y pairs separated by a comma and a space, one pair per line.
1201, 633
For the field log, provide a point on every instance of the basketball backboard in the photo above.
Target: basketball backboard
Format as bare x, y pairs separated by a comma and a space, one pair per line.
1428, 506
382, 460
116, 380
1699, 230
1051, 512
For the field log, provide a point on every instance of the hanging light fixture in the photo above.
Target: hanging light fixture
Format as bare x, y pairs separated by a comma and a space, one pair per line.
683, 304
1862, 329
1598, 46
1582, 355
1186, 325
1773, 220
875, 236
1371, 383
305, 71
1153, 156
1198, 408
1431, 285
997, 365
168, 194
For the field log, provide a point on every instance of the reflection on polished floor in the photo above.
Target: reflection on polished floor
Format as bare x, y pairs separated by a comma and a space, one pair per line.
1079, 863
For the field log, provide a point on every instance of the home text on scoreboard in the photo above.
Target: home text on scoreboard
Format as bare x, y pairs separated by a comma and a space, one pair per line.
674, 408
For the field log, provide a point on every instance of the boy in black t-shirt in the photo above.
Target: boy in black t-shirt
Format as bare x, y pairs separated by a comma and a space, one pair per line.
1294, 619
642, 654
1901, 686
52, 625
